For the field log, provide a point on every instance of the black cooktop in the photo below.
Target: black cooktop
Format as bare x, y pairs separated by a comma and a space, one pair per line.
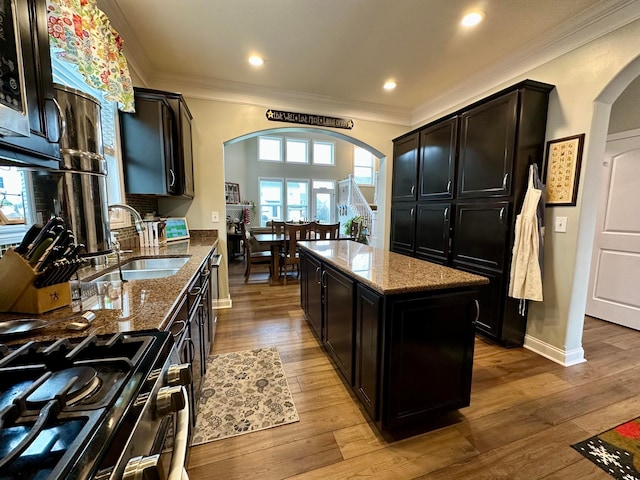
64, 403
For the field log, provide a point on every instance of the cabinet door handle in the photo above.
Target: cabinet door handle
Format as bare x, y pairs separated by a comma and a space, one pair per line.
62, 124
475, 320
182, 328
502, 215
413, 189
446, 214
505, 179
449, 186
412, 211
195, 291
323, 279
318, 278
173, 178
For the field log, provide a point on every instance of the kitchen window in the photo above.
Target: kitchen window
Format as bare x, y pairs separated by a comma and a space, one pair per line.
271, 199
297, 200
363, 166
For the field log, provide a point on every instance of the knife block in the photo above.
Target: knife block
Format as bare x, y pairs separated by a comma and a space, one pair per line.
17, 293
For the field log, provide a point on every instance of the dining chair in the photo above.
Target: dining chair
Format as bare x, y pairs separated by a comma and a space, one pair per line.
354, 231
293, 232
326, 231
253, 258
277, 227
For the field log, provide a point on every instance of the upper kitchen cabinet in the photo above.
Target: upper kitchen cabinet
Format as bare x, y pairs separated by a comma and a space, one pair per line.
405, 168
156, 145
438, 160
38, 144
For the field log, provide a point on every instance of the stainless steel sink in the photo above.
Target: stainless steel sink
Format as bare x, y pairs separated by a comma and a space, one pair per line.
145, 268
155, 263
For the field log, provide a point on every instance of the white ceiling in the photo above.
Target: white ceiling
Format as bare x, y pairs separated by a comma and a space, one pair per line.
340, 52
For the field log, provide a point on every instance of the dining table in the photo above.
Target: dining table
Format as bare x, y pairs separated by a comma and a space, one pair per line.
275, 241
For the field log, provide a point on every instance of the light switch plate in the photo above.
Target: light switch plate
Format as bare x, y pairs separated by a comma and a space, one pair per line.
561, 224
215, 217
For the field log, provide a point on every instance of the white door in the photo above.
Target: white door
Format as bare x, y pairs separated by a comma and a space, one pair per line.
615, 266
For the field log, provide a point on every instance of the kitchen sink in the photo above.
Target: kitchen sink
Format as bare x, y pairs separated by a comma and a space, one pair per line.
145, 268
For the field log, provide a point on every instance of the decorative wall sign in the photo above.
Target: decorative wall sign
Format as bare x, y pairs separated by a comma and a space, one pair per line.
562, 170
308, 119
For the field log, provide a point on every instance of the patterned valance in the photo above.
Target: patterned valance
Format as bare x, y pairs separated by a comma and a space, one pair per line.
81, 33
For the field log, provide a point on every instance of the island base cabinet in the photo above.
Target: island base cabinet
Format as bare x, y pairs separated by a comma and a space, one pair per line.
367, 349
429, 346
311, 293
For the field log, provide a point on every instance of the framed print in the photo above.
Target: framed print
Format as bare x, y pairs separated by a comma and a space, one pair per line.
232, 192
562, 170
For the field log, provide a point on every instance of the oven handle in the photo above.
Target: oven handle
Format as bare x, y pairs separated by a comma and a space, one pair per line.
181, 442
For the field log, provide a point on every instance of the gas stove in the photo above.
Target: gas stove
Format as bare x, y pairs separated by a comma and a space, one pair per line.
99, 407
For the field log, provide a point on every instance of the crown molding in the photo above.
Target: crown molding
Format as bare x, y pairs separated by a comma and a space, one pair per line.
592, 24
235, 92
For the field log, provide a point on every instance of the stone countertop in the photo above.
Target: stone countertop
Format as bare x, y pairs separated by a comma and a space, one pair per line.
120, 307
389, 273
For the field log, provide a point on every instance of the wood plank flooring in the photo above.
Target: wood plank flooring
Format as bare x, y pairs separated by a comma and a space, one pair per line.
525, 410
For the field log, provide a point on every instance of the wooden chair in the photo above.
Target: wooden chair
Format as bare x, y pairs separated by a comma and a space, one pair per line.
326, 231
290, 256
277, 227
253, 258
354, 231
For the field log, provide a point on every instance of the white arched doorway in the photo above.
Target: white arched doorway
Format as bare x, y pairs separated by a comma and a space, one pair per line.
590, 198
242, 150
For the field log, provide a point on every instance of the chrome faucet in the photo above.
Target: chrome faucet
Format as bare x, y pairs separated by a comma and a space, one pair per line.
134, 213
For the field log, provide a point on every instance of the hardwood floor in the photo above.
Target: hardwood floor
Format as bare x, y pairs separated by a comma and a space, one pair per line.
525, 410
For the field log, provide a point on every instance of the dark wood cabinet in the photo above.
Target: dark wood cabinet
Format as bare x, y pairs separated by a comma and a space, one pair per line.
338, 319
405, 168
311, 293
481, 234
487, 142
432, 231
367, 349
430, 356
156, 145
485, 150
403, 227
438, 160
41, 147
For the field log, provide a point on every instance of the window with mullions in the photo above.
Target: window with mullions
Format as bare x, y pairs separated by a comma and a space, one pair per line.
270, 191
297, 200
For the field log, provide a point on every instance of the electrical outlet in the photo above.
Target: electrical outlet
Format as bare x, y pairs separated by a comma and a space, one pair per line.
215, 217
561, 224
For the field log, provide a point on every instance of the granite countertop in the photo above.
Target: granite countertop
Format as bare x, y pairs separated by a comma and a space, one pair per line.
389, 273
120, 307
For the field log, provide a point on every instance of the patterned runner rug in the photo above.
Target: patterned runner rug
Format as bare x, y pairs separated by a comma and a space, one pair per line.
243, 392
616, 451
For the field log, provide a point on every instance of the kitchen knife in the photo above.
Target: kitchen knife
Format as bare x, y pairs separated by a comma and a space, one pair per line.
29, 237
46, 230
40, 249
52, 250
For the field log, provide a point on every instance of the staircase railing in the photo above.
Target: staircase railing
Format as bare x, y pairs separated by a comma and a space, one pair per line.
350, 196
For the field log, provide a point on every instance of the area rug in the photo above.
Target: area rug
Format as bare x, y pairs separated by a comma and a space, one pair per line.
616, 451
243, 392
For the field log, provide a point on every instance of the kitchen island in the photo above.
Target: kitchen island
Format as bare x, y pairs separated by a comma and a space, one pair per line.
400, 330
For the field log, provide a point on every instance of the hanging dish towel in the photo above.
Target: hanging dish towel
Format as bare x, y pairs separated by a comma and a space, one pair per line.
526, 275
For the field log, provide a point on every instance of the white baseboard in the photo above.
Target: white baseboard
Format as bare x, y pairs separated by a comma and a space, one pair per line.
222, 303
555, 354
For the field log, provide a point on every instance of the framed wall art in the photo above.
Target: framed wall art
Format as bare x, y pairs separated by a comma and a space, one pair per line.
232, 192
562, 170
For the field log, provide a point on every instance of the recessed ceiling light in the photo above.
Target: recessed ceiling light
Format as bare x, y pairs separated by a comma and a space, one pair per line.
471, 19
256, 61
390, 85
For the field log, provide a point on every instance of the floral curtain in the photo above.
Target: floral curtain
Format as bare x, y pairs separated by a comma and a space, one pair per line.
81, 33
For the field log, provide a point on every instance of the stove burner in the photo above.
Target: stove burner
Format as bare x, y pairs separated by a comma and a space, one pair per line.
75, 383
